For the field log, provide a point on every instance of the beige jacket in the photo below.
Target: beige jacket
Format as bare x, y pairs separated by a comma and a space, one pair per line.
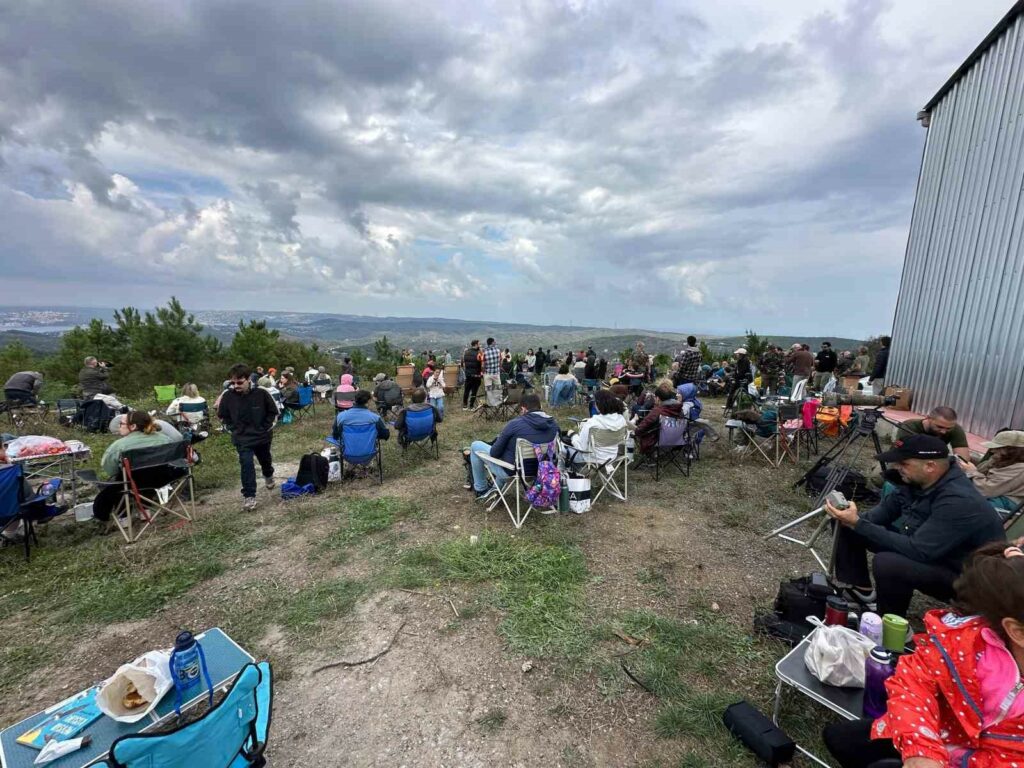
1005, 481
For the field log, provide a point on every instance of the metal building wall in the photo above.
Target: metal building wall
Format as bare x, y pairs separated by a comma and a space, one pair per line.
958, 336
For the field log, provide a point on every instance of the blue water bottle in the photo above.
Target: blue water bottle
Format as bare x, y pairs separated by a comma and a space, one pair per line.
187, 663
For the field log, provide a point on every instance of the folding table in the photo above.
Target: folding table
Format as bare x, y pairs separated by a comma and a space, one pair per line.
224, 659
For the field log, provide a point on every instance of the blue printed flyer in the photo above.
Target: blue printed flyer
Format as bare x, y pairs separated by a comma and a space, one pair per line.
66, 720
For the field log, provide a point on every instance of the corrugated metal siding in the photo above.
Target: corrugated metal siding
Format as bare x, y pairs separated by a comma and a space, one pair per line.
958, 336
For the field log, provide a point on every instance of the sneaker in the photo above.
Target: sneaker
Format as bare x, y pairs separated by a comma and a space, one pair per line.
249, 503
467, 486
867, 600
548, 511
269, 482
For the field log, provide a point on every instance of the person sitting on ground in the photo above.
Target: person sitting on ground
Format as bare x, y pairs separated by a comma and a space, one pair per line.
344, 395
954, 701
23, 387
563, 387
137, 430
666, 404
358, 415
920, 533
322, 383
419, 403
941, 423
387, 394
289, 389
611, 415
196, 410
532, 425
93, 379
1001, 478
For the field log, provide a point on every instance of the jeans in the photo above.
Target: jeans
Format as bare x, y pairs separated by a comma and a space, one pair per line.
469, 391
437, 402
246, 454
20, 396
896, 575
851, 745
480, 479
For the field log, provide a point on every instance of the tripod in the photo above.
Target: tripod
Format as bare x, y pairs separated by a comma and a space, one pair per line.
840, 458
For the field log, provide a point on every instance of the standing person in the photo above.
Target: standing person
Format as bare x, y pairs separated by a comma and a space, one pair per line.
771, 364
531, 360
861, 363
743, 376
540, 360
689, 363
506, 366
825, 364
803, 363
473, 368
447, 357
877, 377
435, 389
492, 373
249, 413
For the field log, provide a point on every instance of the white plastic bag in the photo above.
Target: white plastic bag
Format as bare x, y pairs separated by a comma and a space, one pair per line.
151, 676
837, 655
579, 494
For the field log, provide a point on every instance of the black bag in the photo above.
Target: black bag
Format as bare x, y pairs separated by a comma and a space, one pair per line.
854, 486
95, 415
799, 598
758, 733
313, 470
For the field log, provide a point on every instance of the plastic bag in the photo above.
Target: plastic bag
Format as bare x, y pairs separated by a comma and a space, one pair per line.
151, 676
836, 655
34, 445
579, 493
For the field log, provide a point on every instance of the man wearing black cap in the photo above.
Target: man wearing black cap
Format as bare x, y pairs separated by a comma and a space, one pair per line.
920, 534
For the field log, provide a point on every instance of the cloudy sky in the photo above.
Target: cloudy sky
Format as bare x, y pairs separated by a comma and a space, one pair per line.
671, 165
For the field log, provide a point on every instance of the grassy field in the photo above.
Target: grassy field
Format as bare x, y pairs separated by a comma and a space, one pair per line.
637, 617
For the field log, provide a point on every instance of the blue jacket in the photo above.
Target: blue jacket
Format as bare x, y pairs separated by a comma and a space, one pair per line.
358, 416
535, 426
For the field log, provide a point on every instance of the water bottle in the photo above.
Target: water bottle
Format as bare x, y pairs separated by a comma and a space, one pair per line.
187, 663
877, 670
871, 627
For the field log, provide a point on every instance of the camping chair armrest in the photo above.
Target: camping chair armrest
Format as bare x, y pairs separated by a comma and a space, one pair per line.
89, 476
498, 462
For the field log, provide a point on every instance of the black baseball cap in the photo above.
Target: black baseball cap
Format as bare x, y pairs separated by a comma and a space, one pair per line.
915, 447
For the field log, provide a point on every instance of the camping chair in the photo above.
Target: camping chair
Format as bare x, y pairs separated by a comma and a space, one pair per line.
37, 508
165, 393
673, 446
155, 480
1014, 523
192, 416
520, 478
94, 416
232, 734
606, 471
67, 409
420, 432
748, 442
359, 447
510, 405
343, 400
562, 393
305, 402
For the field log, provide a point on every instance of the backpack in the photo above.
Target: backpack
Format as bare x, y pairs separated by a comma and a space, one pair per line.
796, 600
855, 486
95, 415
547, 487
313, 470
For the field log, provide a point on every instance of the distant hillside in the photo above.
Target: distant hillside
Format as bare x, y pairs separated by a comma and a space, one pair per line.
39, 328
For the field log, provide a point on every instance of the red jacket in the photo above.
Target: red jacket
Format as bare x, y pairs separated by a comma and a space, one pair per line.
935, 699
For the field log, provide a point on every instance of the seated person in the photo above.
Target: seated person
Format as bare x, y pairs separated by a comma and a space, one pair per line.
419, 403
267, 383
387, 393
633, 378
920, 534
563, 388
195, 410
322, 383
666, 404
358, 415
532, 424
941, 423
934, 720
1000, 479
137, 430
93, 379
24, 387
165, 428
617, 388
346, 389
289, 389
692, 407
611, 415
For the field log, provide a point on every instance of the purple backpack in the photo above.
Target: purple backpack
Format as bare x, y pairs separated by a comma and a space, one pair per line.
547, 487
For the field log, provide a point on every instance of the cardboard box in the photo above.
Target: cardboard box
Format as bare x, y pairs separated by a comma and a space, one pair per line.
904, 397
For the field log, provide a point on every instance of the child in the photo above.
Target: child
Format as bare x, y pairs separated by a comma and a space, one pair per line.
435, 388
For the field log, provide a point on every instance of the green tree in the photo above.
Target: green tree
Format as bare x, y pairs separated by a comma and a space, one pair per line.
15, 357
254, 344
384, 352
97, 339
705, 353
755, 345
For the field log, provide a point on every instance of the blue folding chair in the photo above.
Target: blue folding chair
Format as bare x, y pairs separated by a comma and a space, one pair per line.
233, 734
359, 447
305, 402
17, 504
419, 431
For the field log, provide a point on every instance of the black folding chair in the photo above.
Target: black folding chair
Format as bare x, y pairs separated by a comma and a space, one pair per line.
673, 449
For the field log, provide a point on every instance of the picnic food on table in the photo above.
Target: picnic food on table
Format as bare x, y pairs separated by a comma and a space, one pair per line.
132, 698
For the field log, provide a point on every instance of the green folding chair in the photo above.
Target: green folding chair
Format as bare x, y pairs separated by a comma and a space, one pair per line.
165, 393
